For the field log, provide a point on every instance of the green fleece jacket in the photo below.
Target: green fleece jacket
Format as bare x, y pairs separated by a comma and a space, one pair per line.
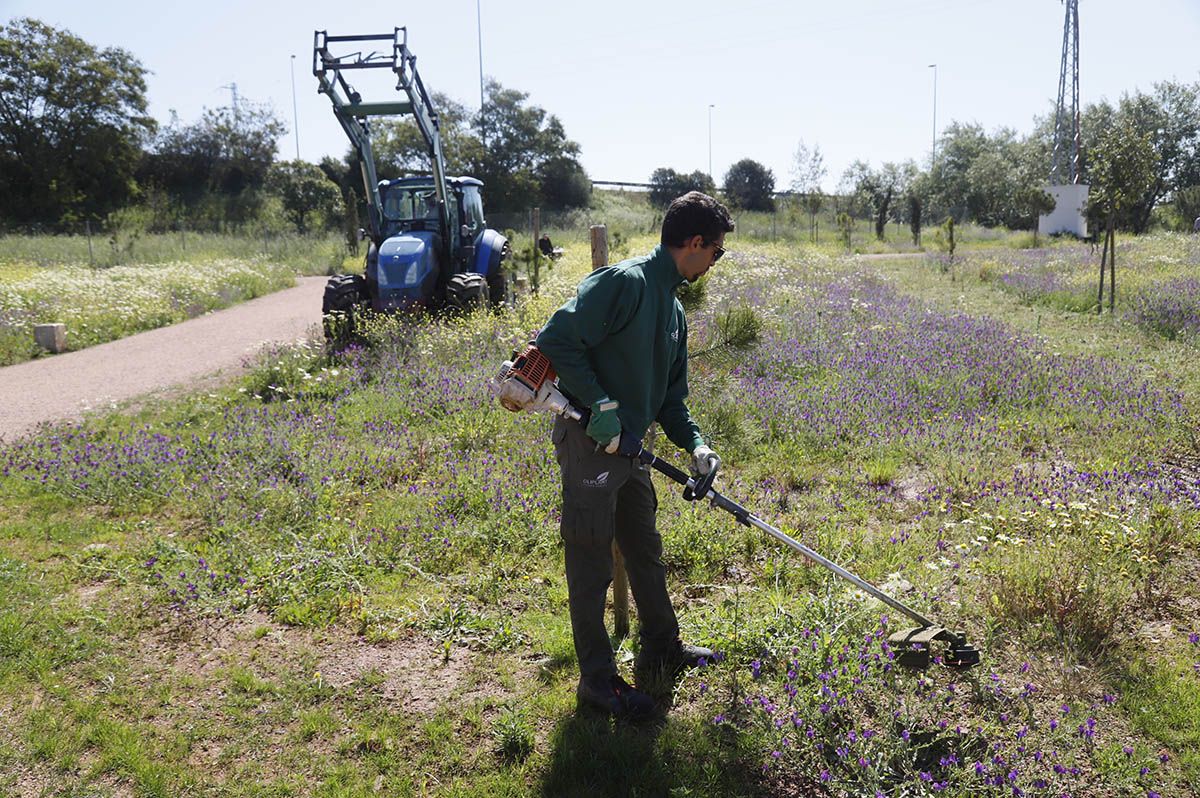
624, 336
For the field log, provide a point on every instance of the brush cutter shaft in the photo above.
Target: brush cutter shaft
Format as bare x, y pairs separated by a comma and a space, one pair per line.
748, 518
840, 571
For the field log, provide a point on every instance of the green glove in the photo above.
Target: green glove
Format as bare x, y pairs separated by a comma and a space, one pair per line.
604, 424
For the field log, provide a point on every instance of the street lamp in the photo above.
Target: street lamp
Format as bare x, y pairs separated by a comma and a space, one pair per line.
479, 31
933, 149
710, 107
295, 115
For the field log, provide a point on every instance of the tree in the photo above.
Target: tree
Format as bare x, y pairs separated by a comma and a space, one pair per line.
667, 184
1124, 166
808, 170
1170, 117
72, 122
524, 159
525, 147
304, 191
878, 188
1187, 205
750, 186
216, 167
958, 148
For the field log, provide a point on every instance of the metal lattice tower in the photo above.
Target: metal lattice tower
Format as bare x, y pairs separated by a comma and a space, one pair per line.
1065, 165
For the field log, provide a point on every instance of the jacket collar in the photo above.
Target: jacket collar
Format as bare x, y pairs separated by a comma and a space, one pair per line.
662, 270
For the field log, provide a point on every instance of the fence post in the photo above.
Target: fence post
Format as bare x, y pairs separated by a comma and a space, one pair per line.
620, 585
599, 235
537, 261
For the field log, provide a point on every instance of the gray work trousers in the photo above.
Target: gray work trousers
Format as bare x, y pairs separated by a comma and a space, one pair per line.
604, 496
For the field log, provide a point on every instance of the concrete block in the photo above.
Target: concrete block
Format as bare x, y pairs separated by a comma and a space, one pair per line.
51, 337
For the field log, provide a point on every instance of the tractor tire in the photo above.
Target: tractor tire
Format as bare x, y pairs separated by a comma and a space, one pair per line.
500, 290
466, 291
344, 300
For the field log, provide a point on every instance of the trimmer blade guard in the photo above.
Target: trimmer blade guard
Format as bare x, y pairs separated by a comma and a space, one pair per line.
914, 647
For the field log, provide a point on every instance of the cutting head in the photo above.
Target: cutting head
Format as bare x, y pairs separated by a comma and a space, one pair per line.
915, 646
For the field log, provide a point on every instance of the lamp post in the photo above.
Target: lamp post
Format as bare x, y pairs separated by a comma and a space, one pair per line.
479, 31
710, 107
933, 149
295, 114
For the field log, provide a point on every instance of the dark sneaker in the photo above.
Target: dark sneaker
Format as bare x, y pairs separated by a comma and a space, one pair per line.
682, 657
614, 696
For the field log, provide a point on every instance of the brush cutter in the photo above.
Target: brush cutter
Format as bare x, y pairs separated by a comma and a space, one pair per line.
527, 383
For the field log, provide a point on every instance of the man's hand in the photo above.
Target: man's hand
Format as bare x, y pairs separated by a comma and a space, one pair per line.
704, 460
604, 427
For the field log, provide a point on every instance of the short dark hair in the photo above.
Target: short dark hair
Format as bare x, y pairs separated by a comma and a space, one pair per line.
695, 214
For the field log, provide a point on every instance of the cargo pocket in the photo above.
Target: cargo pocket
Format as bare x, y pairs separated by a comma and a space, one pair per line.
588, 517
558, 436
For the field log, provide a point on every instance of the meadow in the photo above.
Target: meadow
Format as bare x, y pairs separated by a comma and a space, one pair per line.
108, 288
342, 576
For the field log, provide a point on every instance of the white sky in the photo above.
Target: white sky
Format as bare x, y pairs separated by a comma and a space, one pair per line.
632, 81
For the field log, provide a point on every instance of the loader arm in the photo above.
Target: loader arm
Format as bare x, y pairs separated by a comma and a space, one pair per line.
353, 114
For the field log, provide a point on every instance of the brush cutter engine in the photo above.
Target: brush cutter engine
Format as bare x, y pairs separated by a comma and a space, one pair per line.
528, 382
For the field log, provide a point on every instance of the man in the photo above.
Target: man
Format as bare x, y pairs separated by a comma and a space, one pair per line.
620, 350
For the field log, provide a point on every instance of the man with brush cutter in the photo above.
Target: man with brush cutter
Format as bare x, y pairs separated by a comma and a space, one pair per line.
620, 350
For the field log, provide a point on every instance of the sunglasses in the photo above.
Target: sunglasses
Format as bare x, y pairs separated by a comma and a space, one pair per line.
720, 251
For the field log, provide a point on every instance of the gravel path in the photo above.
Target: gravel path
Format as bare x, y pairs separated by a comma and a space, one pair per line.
204, 350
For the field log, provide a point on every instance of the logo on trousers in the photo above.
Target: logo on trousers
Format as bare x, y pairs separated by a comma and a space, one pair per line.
599, 482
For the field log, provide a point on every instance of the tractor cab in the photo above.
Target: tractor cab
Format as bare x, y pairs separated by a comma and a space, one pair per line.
416, 260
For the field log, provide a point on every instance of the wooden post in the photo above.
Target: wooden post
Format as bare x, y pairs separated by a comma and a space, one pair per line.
1112, 266
599, 245
1103, 263
620, 585
537, 233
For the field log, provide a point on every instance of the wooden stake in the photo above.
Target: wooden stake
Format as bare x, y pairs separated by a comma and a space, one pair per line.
620, 584
1112, 267
599, 235
537, 261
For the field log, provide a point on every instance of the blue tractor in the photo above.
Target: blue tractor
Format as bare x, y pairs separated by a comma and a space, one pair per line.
430, 247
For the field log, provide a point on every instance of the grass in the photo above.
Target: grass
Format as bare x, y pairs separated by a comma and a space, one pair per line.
342, 575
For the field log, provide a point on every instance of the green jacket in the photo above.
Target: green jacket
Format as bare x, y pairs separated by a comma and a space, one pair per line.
624, 337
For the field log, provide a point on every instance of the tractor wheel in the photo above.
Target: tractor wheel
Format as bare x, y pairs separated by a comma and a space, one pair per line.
345, 298
499, 285
466, 291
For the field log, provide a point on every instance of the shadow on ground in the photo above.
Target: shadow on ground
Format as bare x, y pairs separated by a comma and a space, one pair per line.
593, 756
